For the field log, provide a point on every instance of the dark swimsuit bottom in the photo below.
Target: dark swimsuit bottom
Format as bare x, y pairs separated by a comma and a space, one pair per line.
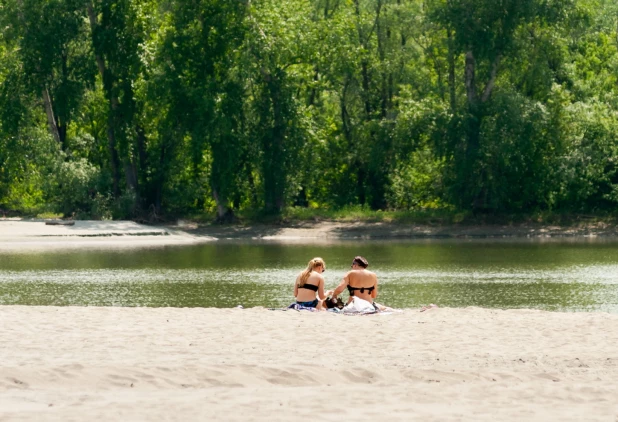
313, 303
361, 289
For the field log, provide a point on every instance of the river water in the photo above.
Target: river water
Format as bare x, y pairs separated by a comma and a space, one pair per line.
558, 275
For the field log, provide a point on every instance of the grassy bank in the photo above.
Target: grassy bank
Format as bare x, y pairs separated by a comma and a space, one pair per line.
301, 215
442, 217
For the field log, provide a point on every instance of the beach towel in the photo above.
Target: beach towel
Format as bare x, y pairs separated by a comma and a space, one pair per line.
359, 306
297, 307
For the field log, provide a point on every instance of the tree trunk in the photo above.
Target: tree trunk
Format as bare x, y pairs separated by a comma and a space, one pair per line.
252, 187
113, 102
158, 195
451, 70
130, 174
384, 89
114, 159
473, 133
345, 116
470, 81
274, 177
364, 65
224, 213
62, 131
360, 183
492, 79
313, 92
92, 17
141, 150
365, 94
438, 69
51, 120
278, 140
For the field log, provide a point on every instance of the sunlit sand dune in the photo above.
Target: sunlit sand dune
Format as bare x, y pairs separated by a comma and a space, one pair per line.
254, 364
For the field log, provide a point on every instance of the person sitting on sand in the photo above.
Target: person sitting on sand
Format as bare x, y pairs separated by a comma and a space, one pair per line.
360, 283
308, 283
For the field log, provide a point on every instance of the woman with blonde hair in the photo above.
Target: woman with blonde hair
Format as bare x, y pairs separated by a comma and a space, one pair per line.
308, 283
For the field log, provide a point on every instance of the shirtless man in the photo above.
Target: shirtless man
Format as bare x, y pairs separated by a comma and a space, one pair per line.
359, 281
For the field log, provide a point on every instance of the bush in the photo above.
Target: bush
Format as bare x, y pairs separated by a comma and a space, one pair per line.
125, 206
101, 207
590, 165
416, 183
76, 185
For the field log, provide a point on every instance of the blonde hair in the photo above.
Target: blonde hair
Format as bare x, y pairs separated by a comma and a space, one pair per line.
315, 262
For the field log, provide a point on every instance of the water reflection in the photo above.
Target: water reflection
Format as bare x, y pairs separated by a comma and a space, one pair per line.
568, 276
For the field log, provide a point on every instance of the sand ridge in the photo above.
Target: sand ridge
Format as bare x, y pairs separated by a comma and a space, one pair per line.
23, 235
255, 364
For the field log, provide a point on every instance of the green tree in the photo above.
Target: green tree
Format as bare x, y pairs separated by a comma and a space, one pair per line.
486, 34
276, 50
118, 30
195, 82
52, 46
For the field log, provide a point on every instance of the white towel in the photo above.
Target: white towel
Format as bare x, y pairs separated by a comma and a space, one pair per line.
358, 306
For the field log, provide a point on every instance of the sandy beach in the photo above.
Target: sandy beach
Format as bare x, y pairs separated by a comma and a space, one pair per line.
24, 235
76, 364
180, 364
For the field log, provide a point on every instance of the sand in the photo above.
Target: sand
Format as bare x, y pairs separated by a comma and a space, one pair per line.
20, 235
76, 364
163, 364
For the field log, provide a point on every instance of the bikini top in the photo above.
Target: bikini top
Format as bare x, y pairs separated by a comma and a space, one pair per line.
361, 289
309, 287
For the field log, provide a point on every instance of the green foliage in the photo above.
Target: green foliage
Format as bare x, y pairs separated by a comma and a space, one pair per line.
75, 187
300, 108
359, 213
51, 45
590, 166
25, 161
517, 171
417, 183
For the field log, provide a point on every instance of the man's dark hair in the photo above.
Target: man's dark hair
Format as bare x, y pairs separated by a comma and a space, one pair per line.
360, 261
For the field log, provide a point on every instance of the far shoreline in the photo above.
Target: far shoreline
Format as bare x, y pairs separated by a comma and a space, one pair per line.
363, 230
29, 234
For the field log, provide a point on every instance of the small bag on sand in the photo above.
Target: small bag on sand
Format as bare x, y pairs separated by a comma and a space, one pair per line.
331, 303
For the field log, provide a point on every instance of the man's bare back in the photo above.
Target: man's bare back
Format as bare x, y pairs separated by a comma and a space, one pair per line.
359, 281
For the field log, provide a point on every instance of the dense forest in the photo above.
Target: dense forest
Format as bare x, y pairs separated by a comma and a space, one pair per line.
128, 108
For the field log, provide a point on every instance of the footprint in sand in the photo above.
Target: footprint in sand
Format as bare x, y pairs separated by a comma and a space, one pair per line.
360, 376
119, 380
17, 383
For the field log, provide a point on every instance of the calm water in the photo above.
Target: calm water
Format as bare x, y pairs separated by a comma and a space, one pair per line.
552, 275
